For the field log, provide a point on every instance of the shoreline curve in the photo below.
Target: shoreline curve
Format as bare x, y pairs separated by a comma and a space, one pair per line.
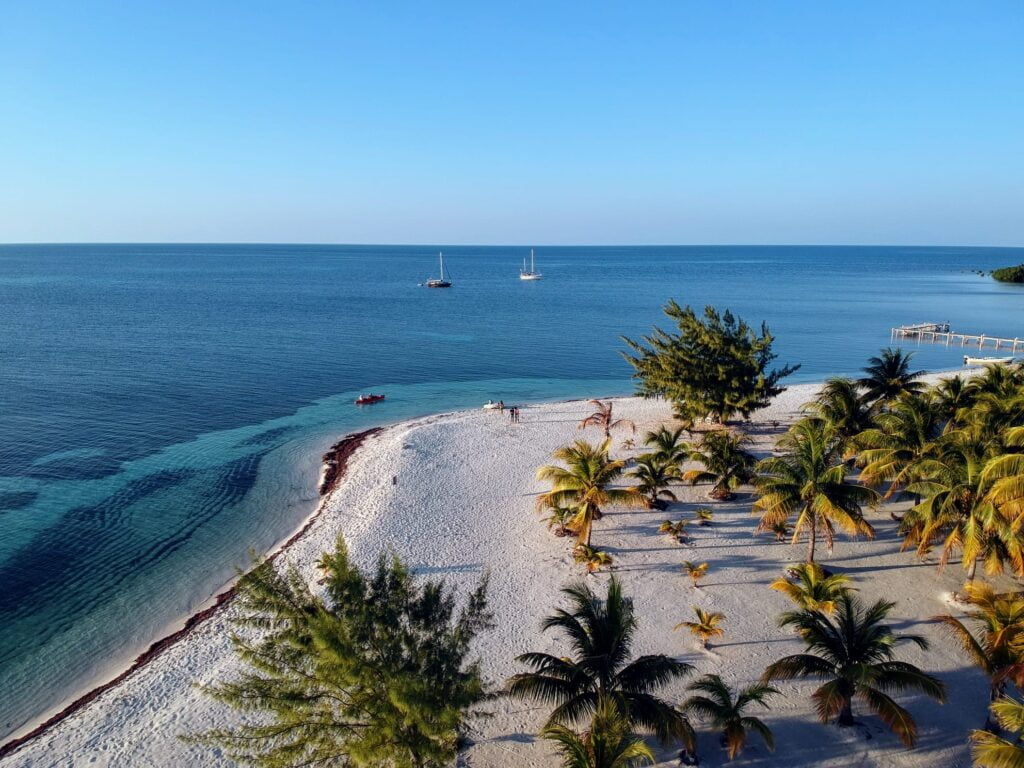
335, 463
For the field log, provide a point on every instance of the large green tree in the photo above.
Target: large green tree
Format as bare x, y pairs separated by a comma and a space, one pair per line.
377, 673
715, 367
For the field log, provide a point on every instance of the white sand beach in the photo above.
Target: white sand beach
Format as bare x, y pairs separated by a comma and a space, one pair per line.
463, 503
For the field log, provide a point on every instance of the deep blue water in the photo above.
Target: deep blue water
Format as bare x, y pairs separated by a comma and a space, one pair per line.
162, 408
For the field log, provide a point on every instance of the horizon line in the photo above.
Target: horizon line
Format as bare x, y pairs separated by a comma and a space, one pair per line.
503, 245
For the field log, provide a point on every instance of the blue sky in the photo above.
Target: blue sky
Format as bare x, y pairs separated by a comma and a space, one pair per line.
547, 123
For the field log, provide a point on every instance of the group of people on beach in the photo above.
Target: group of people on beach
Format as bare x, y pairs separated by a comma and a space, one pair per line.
513, 411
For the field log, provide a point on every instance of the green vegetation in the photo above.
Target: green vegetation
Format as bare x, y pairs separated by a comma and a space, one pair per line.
377, 673
696, 571
812, 589
715, 368
726, 464
1009, 274
888, 376
809, 478
990, 750
607, 743
653, 475
597, 670
706, 626
715, 702
853, 652
585, 485
997, 647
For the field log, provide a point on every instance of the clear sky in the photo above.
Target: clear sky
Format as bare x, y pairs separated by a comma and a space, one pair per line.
719, 121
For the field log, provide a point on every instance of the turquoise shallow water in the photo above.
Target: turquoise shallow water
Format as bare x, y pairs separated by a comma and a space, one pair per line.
163, 408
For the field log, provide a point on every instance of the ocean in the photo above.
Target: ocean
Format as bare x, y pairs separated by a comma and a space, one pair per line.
163, 408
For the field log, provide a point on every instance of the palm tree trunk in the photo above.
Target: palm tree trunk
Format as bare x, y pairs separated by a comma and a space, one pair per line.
972, 570
811, 539
846, 713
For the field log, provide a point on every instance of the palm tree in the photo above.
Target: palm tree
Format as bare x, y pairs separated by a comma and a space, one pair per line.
703, 515
959, 507
584, 484
705, 627
695, 571
904, 434
668, 444
600, 633
997, 648
811, 589
888, 376
809, 478
653, 475
841, 405
716, 703
676, 530
992, 751
595, 559
950, 397
853, 653
559, 520
608, 742
726, 463
602, 417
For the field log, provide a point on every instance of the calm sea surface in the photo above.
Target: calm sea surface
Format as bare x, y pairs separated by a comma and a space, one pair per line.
162, 408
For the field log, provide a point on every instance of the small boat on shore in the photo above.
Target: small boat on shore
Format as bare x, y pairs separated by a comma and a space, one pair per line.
968, 360
531, 273
368, 399
442, 281
490, 405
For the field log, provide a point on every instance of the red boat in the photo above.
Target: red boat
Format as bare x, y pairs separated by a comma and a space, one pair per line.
367, 399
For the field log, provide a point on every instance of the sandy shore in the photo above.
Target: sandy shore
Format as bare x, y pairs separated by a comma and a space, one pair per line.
463, 503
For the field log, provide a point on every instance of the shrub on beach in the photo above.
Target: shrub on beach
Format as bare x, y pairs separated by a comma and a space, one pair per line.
377, 672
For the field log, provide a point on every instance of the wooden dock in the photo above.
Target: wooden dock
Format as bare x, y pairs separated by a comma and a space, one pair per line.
940, 333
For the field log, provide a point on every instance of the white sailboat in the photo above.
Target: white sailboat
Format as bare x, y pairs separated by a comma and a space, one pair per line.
439, 282
531, 273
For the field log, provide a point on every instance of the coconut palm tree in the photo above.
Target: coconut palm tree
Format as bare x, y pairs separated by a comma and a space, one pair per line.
811, 588
726, 463
989, 750
593, 558
950, 397
809, 479
997, 647
696, 571
715, 703
654, 475
841, 405
703, 515
585, 484
600, 634
959, 508
668, 444
903, 435
853, 653
888, 376
602, 418
608, 743
558, 520
705, 627
676, 530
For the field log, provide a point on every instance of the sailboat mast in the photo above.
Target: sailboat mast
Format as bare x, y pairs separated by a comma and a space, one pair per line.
532, 268
440, 257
